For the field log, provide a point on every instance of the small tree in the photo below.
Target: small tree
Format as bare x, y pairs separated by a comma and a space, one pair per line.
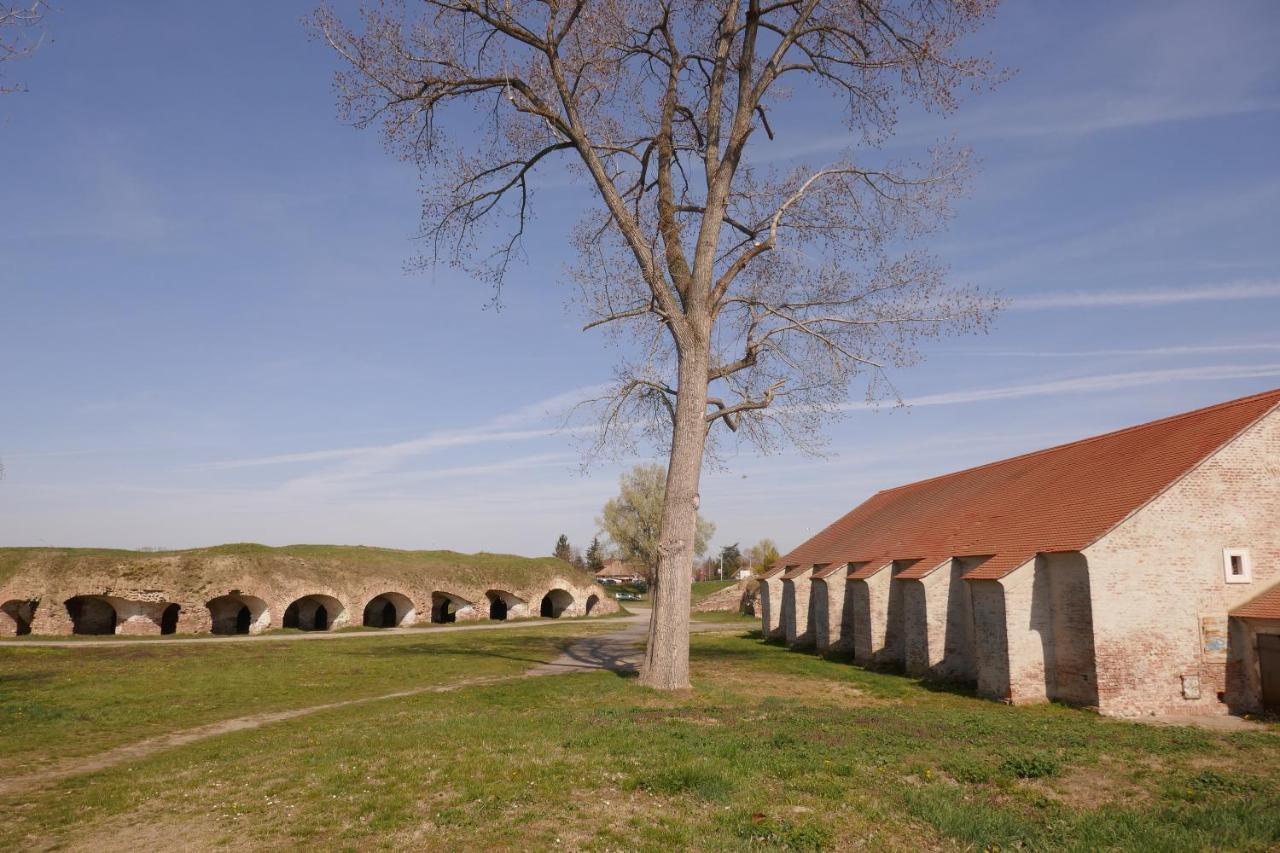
730, 560
762, 555
751, 290
633, 520
577, 560
595, 555
563, 551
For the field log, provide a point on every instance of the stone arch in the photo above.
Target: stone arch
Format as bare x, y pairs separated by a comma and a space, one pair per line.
16, 616
92, 614
445, 607
505, 605
389, 610
315, 612
237, 613
593, 601
169, 618
554, 603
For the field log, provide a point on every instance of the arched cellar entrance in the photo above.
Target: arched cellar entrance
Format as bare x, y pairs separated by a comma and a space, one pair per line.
592, 601
445, 607
555, 603
169, 619
16, 616
91, 614
314, 613
504, 605
238, 614
388, 610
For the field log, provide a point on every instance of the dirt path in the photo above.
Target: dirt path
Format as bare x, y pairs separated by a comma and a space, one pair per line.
617, 651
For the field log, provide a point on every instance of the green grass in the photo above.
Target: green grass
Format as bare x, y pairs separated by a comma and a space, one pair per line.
701, 589
56, 703
730, 618
322, 562
771, 750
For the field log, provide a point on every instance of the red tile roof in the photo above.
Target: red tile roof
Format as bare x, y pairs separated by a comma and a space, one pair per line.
1265, 606
1060, 499
825, 571
795, 572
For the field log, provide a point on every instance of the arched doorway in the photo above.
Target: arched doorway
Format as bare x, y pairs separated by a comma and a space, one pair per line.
592, 601
314, 613
169, 619
237, 613
388, 610
91, 614
554, 603
504, 605
445, 607
16, 616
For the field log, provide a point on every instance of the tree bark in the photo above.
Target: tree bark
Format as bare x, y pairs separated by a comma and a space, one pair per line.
666, 661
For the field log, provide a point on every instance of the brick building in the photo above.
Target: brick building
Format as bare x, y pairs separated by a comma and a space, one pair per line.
1137, 571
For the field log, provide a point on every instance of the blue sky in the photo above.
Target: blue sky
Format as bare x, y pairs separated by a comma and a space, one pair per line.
209, 334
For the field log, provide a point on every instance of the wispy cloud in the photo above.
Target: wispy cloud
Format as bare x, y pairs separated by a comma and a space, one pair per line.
1091, 384
1220, 349
1226, 292
496, 430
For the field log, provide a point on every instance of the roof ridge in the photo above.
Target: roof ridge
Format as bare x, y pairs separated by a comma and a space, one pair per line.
1275, 392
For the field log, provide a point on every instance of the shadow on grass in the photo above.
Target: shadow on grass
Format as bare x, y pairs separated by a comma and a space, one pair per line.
608, 653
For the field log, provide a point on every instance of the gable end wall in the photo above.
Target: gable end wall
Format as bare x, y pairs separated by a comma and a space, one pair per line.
1158, 585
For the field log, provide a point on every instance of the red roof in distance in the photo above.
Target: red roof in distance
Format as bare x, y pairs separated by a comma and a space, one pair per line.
1061, 499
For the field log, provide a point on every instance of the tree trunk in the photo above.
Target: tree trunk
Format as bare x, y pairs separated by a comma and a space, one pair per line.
666, 661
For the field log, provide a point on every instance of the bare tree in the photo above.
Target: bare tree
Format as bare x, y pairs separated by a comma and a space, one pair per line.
741, 293
20, 35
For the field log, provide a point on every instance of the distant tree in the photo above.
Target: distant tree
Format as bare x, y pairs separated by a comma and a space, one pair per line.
633, 520
730, 560
20, 34
563, 550
577, 560
754, 288
762, 555
595, 555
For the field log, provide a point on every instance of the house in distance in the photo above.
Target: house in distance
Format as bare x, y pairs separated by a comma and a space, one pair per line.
1137, 572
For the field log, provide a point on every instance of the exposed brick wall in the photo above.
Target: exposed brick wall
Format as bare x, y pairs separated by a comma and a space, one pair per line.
833, 613
871, 614
820, 615
938, 619
990, 639
771, 606
1158, 582
795, 609
139, 610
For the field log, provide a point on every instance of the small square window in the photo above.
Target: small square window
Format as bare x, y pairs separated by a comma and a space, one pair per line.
1236, 565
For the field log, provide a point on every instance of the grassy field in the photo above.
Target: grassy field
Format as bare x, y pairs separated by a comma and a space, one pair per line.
57, 703
771, 750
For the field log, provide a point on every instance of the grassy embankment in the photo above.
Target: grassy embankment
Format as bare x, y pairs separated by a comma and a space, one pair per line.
198, 568
772, 749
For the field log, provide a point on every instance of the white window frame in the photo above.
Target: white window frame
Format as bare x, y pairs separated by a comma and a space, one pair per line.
1245, 562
